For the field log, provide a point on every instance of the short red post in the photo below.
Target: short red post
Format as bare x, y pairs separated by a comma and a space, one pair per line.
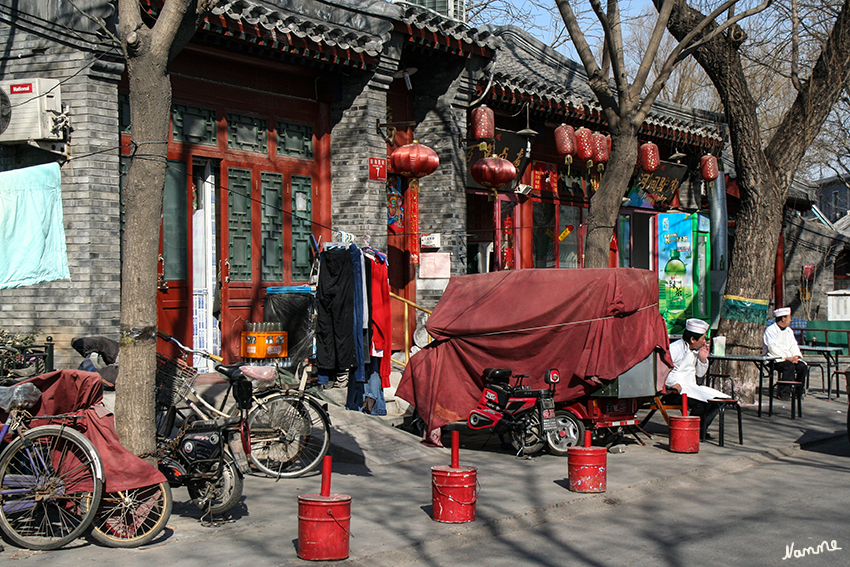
455, 449
327, 463
587, 467
454, 489
324, 522
684, 405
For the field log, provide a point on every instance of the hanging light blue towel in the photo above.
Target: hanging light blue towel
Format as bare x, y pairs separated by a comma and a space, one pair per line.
32, 235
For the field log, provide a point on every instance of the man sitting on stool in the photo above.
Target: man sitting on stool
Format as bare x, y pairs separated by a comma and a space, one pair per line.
779, 342
690, 360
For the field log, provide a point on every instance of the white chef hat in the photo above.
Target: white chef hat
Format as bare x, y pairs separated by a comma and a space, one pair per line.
781, 312
697, 326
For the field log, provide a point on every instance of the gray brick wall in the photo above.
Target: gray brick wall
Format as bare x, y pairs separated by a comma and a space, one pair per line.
358, 205
807, 242
88, 304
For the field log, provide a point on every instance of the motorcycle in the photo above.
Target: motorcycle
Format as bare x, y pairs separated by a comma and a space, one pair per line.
527, 415
209, 456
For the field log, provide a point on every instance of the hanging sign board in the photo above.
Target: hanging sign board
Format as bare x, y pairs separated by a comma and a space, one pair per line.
650, 190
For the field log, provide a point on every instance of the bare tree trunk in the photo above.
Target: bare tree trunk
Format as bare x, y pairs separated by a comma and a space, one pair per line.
763, 174
150, 103
605, 203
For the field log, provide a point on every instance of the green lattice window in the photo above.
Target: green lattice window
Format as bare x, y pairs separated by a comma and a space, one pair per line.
271, 226
193, 125
302, 226
246, 133
239, 223
175, 233
294, 140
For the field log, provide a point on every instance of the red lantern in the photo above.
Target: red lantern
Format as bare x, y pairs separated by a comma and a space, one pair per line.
585, 144
708, 167
493, 172
649, 157
483, 123
414, 160
565, 142
601, 150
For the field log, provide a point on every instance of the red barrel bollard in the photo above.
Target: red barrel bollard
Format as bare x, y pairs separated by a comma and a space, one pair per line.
587, 467
324, 522
684, 434
454, 489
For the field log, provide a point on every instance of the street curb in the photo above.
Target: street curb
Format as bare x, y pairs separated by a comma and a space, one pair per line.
562, 511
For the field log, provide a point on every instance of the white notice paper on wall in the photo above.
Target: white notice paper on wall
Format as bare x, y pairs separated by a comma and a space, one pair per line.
435, 265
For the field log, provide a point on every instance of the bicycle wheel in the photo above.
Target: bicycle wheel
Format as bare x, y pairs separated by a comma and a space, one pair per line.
134, 517
289, 435
51, 480
220, 493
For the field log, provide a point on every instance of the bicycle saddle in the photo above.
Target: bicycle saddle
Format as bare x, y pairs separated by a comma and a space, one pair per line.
19, 396
231, 371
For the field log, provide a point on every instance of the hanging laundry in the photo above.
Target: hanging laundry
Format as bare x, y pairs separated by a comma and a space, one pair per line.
32, 233
335, 315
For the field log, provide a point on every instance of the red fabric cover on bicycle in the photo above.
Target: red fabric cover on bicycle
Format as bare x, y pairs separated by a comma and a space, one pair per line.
590, 324
80, 392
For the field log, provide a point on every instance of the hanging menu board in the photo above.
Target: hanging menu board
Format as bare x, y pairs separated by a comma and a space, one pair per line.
650, 190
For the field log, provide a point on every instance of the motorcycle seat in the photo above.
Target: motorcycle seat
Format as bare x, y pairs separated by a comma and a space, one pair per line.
502, 375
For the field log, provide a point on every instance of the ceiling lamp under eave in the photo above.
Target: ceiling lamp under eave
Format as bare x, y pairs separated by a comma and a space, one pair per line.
414, 160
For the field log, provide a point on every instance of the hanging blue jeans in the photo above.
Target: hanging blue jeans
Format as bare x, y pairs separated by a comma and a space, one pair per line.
374, 389
359, 370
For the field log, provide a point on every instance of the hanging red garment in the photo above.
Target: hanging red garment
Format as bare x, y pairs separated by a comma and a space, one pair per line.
381, 318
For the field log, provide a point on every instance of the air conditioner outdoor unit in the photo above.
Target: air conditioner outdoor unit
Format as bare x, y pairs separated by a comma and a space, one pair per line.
30, 109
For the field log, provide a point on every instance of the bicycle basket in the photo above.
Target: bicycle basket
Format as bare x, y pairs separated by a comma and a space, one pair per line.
173, 379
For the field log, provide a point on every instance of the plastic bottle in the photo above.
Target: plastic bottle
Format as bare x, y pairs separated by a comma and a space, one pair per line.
674, 278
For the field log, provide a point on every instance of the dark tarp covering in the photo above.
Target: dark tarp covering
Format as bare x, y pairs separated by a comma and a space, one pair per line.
79, 392
294, 311
590, 324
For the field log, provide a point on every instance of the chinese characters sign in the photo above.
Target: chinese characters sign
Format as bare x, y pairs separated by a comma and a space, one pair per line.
649, 190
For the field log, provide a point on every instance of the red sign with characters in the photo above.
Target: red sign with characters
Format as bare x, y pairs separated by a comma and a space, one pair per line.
377, 169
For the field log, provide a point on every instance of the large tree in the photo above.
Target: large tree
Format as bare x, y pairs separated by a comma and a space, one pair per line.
764, 167
627, 103
149, 45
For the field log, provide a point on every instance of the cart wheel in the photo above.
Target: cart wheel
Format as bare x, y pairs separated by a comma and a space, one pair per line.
570, 433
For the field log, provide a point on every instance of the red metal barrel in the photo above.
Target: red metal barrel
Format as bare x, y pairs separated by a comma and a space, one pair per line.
324, 526
454, 492
588, 469
684, 434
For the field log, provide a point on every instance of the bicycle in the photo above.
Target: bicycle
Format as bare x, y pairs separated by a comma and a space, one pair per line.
51, 477
289, 429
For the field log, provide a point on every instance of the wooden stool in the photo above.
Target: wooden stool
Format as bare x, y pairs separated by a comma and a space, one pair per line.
723, 403
796, 396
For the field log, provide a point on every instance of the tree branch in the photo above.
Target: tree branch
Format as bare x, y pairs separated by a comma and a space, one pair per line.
596, 78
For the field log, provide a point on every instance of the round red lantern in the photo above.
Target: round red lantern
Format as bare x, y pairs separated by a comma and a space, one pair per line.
708, 167
565, 142
584, 144
414, 160
649, 157
483, 123
493, 172
601, 149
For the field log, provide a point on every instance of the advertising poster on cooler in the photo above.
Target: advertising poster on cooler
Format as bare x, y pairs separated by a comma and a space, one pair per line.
675, 269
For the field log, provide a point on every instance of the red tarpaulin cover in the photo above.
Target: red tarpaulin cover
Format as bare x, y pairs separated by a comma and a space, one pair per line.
590, 324
65, 391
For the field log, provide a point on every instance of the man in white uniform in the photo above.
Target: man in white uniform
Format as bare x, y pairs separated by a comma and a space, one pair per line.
690, 360
779, 341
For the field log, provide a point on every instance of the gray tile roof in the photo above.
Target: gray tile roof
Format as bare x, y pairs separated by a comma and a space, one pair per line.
363, 26
525, 65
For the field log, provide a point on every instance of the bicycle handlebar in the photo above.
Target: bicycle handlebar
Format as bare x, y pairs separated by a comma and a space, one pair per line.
188, 350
